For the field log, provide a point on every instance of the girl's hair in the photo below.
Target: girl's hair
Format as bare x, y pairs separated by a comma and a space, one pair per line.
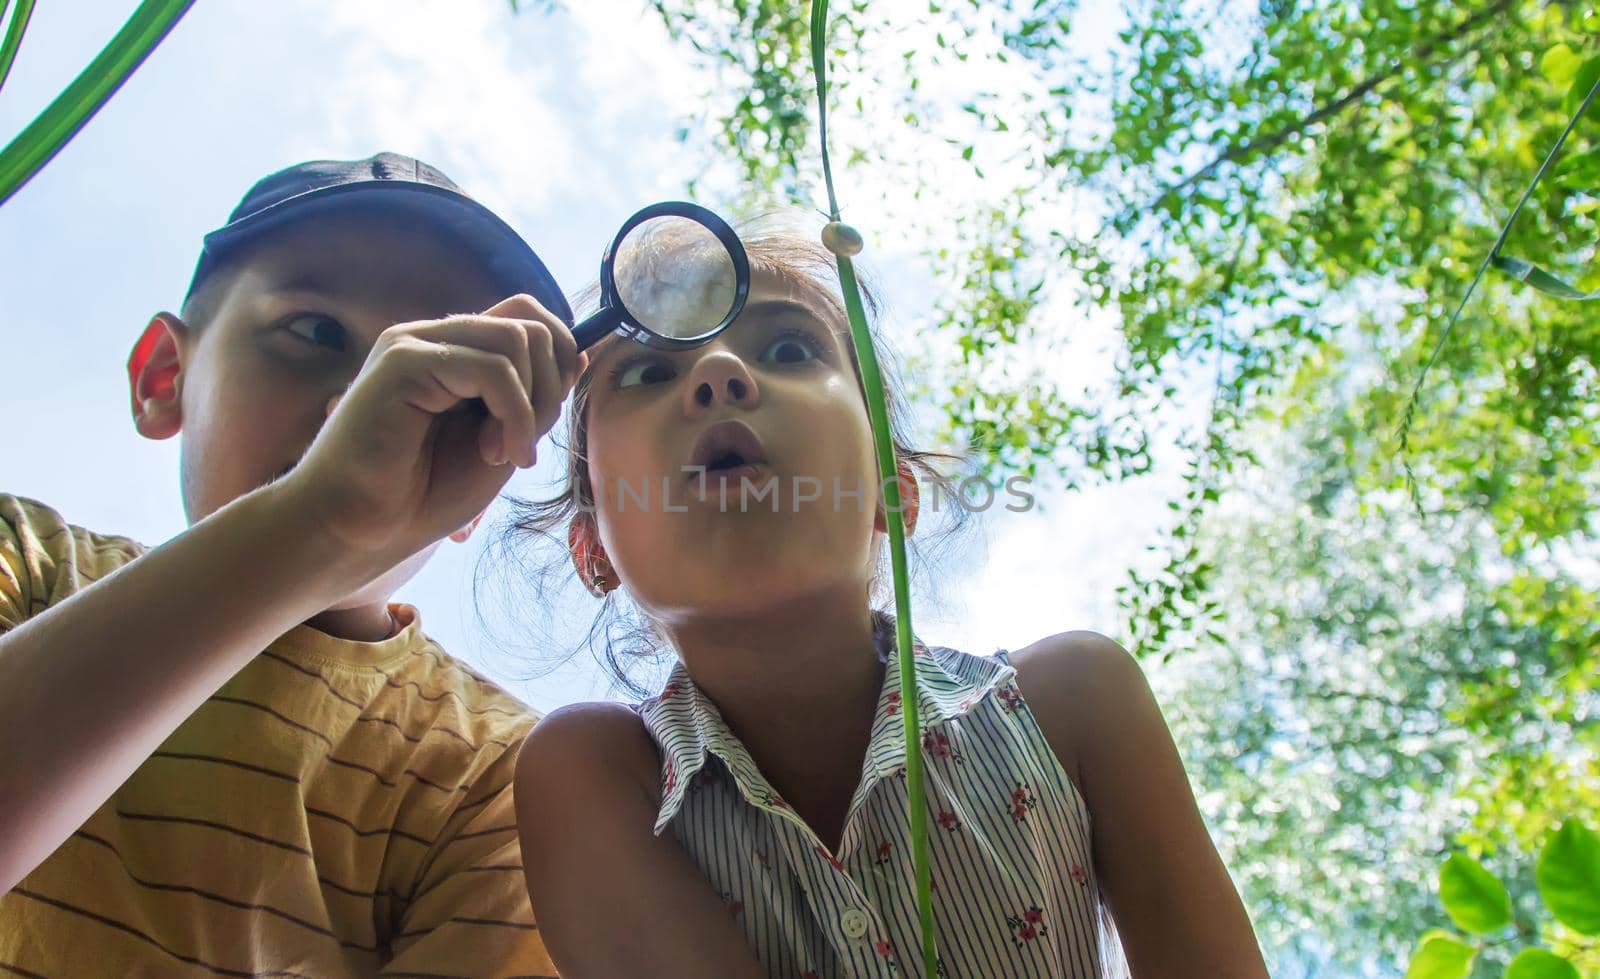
627, 638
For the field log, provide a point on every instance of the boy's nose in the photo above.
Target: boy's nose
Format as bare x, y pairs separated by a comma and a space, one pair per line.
720, 377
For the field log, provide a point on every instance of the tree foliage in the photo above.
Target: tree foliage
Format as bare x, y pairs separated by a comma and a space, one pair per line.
1259, 178
1386, 687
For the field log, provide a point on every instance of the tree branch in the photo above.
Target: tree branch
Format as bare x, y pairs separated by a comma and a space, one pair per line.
1271, 141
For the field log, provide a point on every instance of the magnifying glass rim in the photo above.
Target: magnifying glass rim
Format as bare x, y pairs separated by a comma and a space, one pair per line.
707, 218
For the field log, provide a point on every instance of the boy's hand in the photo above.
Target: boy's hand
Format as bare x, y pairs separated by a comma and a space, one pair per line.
410, 454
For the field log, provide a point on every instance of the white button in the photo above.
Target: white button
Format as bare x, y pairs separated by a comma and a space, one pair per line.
854, 922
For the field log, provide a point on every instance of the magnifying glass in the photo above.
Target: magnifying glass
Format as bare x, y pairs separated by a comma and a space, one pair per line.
675, 276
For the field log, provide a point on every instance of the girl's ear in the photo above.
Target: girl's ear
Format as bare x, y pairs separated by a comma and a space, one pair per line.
910, 502
589, 556
155, 370
460, 536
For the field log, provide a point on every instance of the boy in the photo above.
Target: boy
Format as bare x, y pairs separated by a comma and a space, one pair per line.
194, 781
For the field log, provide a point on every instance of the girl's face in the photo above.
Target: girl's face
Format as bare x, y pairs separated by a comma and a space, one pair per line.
693, 544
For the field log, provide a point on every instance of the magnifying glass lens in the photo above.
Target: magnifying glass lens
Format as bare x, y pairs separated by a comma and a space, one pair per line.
675, 277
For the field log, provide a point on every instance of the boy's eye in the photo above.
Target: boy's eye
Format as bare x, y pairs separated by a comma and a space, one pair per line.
320, 330
794, 347
641, 372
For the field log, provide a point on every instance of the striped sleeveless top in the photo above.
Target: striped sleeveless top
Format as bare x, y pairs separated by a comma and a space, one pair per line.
1014, 896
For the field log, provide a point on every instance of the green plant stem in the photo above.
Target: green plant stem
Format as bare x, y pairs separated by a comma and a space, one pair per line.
1499, 242
819, 65
77, 104
910, 708
889, 479
13, 38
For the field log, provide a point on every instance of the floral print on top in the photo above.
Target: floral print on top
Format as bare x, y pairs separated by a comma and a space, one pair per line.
1014, 891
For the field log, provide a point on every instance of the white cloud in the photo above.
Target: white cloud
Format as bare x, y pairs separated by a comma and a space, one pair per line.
475, 90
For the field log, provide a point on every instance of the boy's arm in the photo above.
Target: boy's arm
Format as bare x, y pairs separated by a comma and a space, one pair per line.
1176, 909
91, 687
611, 897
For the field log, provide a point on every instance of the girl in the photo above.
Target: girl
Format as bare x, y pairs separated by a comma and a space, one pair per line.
750, 820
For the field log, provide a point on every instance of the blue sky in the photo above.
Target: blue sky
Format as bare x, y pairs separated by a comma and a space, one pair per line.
564, 123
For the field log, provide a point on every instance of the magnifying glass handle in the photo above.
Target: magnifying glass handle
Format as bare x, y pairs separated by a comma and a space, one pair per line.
596, 327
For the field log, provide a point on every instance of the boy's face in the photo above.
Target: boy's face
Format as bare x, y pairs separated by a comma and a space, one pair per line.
285, 331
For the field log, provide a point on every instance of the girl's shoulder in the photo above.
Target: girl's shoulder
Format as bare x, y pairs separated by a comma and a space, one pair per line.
574, 748
1072, 654
1074, 682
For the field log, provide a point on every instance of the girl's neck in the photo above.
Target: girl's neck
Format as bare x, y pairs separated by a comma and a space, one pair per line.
816, 650
798, 688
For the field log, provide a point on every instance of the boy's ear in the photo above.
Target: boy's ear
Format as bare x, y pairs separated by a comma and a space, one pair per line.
460, 536
154, 369
910, 503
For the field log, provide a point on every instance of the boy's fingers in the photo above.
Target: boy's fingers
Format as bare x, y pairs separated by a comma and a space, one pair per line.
548, 386
525, 307
522, 307
460, 373
491, 441
566, 353
508, 338
508, 402
525, 342
517, 358
552, 359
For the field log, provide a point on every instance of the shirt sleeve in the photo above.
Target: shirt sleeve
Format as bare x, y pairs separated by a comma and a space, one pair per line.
15, 593
470, 915
44, 560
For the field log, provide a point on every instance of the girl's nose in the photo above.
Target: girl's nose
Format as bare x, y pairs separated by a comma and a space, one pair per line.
720, 377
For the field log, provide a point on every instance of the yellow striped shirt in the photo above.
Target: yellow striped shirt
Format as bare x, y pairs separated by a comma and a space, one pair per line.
337, 809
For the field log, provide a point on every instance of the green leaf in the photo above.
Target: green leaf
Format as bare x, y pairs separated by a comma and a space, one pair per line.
1441, 956
1539, 963
1581, 170
62, 119
1532, 275
13, 38
1473, 898
1581, 83
1568, 876
1560, 65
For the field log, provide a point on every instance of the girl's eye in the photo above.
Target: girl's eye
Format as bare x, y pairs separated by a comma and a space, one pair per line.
794, 347
641, 372
320, 330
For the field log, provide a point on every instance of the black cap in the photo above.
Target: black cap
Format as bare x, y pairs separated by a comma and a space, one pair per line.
306, 190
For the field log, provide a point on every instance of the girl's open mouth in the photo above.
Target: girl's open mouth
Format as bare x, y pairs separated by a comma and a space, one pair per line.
726, 449
734, 470
734, 482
